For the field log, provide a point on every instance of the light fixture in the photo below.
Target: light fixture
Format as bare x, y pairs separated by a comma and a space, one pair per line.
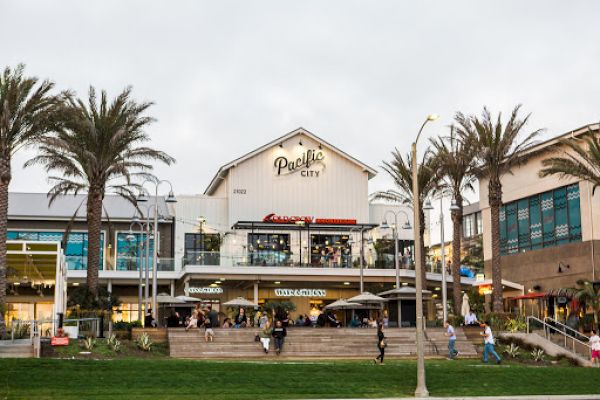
300, 142
75, 283
404, 283
277, 282
406, 225
171, 197
17, 283
142, 198
454, 206
384, 225
281, 145
135, 220
320, 147
222, 279
432, 117
437, 288
346, 283
217, 282
213, 285
427, 205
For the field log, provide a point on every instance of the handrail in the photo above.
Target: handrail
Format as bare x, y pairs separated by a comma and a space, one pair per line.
556, 330
577, 333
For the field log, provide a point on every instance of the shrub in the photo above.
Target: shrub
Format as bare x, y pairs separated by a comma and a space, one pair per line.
88, 343
512, 351
538, 355
116, 345
456, 320
111, 339
126, 326
144, 342
497, 321
517, 324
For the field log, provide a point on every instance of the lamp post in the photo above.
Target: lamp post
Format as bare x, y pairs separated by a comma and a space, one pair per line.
169, 199
148, 227
136, 221
421, 390
384, 225
362, 254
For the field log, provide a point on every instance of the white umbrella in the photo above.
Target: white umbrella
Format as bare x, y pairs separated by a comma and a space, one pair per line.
367, 297
189, 299
240, 302
164, 298
342, 304
465, 309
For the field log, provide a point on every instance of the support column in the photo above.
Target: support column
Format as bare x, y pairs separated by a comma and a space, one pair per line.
255, 292
172, 288
186, 287
109, 286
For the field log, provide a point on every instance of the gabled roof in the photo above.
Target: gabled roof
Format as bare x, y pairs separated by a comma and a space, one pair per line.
223, 171
548, 144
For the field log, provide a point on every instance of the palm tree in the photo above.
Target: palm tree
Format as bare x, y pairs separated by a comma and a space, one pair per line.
99, 149
586, 293
454, 166
26, 110
497, 147
401, 172
582, 162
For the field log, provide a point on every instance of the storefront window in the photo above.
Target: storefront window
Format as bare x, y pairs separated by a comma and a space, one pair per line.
202, 249
269, 249
330, 251
547, 219
126, 312
131, 248
385, 253
76, 248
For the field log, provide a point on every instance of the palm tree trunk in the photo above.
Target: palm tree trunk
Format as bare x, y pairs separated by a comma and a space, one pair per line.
423, 258
5, 177
457, 227
495, 200
94, 220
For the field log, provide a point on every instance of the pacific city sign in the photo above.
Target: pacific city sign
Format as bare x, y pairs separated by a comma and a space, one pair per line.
306, 160
284, 219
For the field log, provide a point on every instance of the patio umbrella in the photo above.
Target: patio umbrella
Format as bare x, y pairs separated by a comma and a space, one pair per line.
240, 302
342, 304
366, 298
188, 299
465, 309
164, 298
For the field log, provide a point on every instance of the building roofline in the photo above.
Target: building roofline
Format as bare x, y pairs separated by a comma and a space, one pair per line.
544, 145
223, 170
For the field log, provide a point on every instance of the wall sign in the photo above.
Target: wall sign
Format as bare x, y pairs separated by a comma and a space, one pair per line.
284, 219
303, 163
301, 292
205, 290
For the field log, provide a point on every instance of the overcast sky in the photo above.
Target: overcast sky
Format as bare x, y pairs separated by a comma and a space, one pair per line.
229, 76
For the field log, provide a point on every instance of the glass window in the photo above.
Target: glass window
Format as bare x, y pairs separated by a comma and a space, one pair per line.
75, 250
535, 219
512, 231
202, 248
479, 223
330, 250
269, 248
523, 221
503, 238
574, 213
131, 249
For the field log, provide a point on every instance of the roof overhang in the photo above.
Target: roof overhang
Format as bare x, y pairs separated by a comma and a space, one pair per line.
260, 225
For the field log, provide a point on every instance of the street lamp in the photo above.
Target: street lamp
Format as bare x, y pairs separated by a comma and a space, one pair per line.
384, 225
169, 199
362, 254
421, 390
136, 221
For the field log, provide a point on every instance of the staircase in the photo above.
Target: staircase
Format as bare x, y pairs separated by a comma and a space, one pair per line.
19, 348
325, 343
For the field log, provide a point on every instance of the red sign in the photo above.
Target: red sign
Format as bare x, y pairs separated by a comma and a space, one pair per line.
59, 341
284, 219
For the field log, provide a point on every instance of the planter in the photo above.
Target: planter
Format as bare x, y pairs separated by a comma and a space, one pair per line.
71, 331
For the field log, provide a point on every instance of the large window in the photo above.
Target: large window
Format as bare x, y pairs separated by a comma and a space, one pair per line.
269, 248
330, 250
202, 249
77, 245
131, 248
547, 219
472, 225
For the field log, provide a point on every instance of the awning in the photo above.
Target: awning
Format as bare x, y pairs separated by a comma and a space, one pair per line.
260, 225
529, 296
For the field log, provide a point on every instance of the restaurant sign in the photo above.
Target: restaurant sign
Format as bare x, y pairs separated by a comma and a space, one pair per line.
285, 219
300, 292
205, 290
304, 162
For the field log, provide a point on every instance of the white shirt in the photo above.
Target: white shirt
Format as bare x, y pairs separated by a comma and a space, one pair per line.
489, 339
595, 342
470, 318
451, 334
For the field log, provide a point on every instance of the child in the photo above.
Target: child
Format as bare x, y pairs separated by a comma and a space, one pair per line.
595, 344
209, 334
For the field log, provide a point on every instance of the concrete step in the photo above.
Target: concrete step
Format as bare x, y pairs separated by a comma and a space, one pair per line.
8, 350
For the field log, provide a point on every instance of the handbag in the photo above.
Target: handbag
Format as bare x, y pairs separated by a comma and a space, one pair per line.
257, 338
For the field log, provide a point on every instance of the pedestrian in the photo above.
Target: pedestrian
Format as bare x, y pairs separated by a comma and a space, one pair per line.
451, 335
193, 322
595, 345
214, 316
381, 344
488, 343
209, 334
263, 320
265, 336
241, 320
279, 334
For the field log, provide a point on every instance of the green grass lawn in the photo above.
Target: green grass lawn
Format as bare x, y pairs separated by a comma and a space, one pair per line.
186, 379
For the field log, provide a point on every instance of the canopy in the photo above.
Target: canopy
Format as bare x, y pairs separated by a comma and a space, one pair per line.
342, 304
240, 302
164, 298
189, 299
367, 297
465, 309
404, 293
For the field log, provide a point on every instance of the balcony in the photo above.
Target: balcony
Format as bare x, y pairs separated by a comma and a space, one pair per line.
128, 263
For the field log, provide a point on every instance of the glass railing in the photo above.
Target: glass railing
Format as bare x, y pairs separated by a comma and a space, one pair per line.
78, 263
129, 263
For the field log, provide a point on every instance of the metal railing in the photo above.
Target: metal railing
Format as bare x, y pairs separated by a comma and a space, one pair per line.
559, 337
30, 329
565, 328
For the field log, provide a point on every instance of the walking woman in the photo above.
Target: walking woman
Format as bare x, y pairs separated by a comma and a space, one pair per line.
265, 336
381, 344
279, 334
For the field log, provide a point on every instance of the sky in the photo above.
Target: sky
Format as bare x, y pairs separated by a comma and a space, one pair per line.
228, 76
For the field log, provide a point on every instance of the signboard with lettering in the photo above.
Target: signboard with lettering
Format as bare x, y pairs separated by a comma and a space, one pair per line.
205, 290
284, 219
301, 292
303, 163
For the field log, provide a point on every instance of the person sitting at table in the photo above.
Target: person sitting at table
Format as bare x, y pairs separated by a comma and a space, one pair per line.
471, 318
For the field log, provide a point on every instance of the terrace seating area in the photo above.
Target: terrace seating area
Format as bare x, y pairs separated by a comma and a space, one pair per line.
325, 343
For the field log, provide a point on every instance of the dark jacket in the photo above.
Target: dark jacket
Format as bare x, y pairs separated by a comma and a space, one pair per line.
214, 318
279, 333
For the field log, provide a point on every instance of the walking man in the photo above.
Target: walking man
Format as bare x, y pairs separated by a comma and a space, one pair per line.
488, 343
451, 335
